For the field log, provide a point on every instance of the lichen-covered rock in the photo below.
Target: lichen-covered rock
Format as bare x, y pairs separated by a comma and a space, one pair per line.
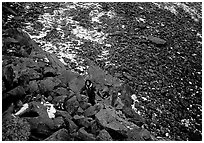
60, 135
15, 129
104, 136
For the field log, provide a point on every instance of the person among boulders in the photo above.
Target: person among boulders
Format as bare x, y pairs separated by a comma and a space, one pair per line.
89, 90
114, 97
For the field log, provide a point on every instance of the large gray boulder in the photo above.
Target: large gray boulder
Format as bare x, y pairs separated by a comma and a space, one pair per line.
109, 119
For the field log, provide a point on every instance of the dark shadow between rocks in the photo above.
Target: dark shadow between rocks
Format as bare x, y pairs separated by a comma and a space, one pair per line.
116, 136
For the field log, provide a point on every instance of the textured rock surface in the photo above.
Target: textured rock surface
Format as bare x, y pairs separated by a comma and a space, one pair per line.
71, 105
110, 120
104, 136
60, 135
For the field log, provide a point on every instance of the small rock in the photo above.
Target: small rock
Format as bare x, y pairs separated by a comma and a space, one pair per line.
156, 40
80, 111
104, 136
49, 99
83, 135
60, 135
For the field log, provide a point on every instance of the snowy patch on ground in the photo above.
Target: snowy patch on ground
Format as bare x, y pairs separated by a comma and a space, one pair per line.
173, 6
69, 31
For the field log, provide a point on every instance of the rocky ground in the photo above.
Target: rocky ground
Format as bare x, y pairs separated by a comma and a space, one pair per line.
148, 52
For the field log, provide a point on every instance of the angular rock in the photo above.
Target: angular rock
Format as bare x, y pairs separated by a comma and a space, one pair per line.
139, 134
156, 40
104, 136
13, 95
63, 114
126, 93
82, 121
66, 76
80, 111
61, 91
55, 62
95, 127
71, 105
119, 105
3, 87
49, 72
60, 135
76, 84
31, 73
8, 76
58, 100
82, 98
100, 77
84, 105
110, 120
84, 136
134, 117
48, 84
72, 126
41, 125
33, 87
92, 110
59, 122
